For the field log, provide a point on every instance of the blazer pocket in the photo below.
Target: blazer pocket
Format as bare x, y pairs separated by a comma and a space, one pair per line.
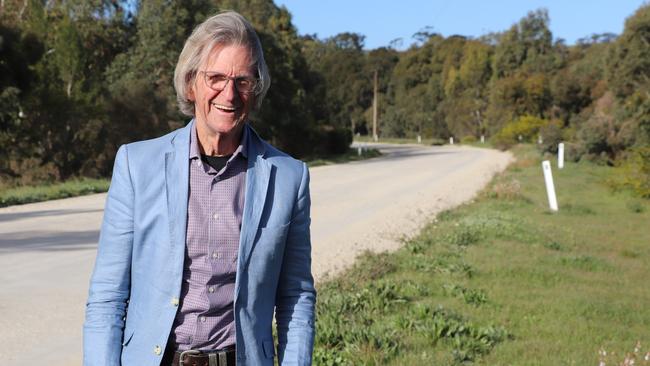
127, 337
275, 228
132, 318
269, 350
273, 234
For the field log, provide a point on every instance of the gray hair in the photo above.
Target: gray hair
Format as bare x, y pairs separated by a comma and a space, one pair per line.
224, 29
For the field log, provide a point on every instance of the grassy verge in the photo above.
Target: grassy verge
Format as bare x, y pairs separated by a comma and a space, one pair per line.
72, 188
425, 142
396, 140
351, 155
502, 281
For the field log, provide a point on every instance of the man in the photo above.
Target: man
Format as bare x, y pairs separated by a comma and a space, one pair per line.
206, 230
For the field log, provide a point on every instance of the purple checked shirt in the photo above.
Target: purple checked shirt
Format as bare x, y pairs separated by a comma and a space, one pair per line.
205, 318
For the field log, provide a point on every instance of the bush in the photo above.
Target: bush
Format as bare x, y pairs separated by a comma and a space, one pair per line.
594, 136
552, 135
573, 151
635, 172
468, 139
524, 129
332, 141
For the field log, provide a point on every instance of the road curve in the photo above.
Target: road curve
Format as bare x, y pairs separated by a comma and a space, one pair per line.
47, 249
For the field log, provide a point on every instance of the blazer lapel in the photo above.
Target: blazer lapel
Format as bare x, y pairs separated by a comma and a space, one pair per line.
257, 183
177, 184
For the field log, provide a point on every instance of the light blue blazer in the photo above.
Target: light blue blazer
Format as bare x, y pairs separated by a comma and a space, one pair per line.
136, 284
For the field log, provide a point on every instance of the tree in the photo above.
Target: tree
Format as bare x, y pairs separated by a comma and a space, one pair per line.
629, 61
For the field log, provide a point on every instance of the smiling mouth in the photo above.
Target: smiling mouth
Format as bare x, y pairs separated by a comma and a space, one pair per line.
224, 108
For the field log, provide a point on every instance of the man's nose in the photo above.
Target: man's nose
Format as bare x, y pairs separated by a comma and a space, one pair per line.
230, 92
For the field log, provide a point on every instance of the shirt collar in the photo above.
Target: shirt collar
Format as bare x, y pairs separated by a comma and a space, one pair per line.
195, 151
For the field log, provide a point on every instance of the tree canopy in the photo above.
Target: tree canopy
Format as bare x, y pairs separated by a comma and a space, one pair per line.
78, 78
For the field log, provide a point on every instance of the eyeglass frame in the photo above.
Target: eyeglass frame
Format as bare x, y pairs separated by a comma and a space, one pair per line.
255, 81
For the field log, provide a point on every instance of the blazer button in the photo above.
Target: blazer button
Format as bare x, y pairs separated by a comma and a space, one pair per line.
157, 350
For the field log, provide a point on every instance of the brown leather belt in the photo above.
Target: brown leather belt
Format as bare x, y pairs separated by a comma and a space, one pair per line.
225, 357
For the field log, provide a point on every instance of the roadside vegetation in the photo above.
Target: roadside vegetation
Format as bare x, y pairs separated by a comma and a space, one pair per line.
29, 194
503, 281
400, 140
350, 155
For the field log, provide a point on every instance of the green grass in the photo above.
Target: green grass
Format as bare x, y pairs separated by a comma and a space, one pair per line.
502, 281
71, 188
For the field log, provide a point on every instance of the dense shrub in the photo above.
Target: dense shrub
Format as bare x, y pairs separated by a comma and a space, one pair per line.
468, 139
635, 172
523, 129
594, 136
331, 140
551, 135
573, 151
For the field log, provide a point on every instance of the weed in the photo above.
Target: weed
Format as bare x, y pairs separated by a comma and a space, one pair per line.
470, 296
464, 235
577, 209
468, 340
553, 245
628, 253
447, 215
373, 266
415, 247
585, 262
635, 206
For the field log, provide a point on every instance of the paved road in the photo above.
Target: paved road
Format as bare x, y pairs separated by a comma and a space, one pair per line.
47, 249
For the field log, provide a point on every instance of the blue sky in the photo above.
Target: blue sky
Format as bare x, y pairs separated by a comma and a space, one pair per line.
382, 21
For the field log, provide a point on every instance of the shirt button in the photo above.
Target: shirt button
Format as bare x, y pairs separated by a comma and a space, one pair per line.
215, 216
157, 350
211, 289
215, 255
175, 301
202, 319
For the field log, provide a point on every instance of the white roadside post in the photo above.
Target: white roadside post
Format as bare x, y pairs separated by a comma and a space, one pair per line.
560, 155
451, 141
482, 139
359, 150
419, 139
550, 188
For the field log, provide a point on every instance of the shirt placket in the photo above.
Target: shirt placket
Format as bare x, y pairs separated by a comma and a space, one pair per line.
202, 321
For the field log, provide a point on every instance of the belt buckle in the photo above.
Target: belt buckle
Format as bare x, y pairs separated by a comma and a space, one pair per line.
187, 352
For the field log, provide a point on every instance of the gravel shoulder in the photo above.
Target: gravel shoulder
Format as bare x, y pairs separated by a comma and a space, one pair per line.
373, 205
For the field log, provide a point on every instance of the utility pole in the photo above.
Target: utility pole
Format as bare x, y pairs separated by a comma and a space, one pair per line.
374, 111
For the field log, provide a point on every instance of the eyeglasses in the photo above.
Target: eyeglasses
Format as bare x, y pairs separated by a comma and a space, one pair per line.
218, 81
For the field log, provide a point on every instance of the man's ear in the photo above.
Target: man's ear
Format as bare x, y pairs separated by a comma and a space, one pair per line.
190, 94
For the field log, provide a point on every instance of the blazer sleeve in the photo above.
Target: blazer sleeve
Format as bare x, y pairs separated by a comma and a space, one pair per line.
296, 295
103, 329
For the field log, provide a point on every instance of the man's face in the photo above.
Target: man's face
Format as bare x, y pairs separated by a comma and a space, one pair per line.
223, 112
